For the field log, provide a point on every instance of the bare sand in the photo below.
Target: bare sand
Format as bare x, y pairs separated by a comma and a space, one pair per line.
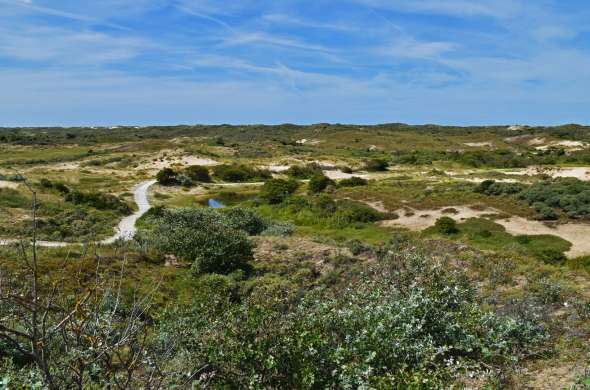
576, 233
8, 184
421, 219
478, 144
581, 173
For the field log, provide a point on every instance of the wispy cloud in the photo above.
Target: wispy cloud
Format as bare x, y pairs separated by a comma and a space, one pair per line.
32, 7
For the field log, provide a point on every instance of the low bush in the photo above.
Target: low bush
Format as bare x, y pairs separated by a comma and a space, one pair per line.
240, 173
245, 219
376, 165
99, 200
569, 195
198, 173
167, 177
354, 181
279, 229
398, 326
319, 183
491, 187
446, 225
551, 256
276, 191
201, 236
304, 171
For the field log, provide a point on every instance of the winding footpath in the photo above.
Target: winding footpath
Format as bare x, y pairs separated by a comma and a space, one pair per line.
126, 229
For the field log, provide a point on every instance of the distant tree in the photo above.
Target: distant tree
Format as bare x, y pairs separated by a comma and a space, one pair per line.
198, 173
277, 190
446, 225
319, 183
354, 181
376, 165
167, 177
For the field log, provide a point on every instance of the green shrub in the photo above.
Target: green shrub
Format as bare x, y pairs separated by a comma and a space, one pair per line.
547, 290
446, 225
46, 183
240, 173
167, 177
544, 212
354, 181
279, 229
201, 236
570, 195
99, 200
276, 191
491, 187
319, 183
304, 171
397, 326
244, 219
376, 165
198, 173
12, 198
551, 256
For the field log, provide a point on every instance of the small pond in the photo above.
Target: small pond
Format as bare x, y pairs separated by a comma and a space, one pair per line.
214, 204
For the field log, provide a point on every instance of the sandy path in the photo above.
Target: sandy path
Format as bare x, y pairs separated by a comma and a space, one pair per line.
126, 229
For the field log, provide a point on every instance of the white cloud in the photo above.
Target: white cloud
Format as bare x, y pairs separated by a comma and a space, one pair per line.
411, 48
490, 8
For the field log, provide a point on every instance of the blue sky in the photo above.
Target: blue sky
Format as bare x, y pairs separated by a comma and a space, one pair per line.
72, 62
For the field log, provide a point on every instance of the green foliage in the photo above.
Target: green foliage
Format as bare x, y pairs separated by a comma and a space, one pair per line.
446, 225
319, 183
201, 236
547, 290
275, 191
304, 171
354, 181
399, 326
569, 195
12, 198
280, 229
236, 173
245, 219
51, 185
167, 177
492, 187
198, 173
551, 256
376, 165
99, 200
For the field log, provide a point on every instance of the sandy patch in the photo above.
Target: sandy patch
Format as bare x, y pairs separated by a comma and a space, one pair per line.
478, 144
417, 220
516, 127
306, 141
481, 179
569, 145
576, 233
581, 173
537, 141
337, 174
278, 168
8, 184
178, 160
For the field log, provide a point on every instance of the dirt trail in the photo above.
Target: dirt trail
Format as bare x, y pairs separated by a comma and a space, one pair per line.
126, 229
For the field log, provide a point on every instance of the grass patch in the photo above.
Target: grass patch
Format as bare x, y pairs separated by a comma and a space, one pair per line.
488, 235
